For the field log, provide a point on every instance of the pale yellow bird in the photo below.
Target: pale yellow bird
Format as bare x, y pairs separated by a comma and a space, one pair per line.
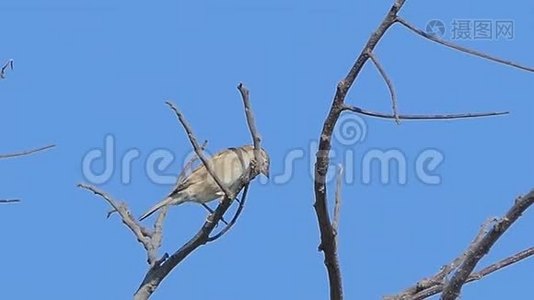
229, 165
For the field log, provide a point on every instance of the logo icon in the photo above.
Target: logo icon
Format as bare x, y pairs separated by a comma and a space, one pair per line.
435, 28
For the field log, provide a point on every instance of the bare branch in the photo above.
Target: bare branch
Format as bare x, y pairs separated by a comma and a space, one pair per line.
452, 289
8, 64
235, 217
198, 150
389, 83
462, 267
362, 111
251, 122
212, 211
25, 153
328, 243
9, 201
461, 48
328, 235
157, 236
160, 270
142, 235
337, 206
190, 163
437, 287
501, 264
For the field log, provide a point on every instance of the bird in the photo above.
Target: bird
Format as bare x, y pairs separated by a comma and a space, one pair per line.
200, 187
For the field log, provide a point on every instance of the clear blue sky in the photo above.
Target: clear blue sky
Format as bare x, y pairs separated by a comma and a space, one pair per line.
86, 69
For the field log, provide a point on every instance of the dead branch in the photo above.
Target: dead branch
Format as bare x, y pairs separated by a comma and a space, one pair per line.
389, 84
151, 240
234, 218
328, 243
198, 150
245, 95
8, 64
460, 270
26, 152
337, 205
159, 271
379, 115
328, 237
142, 234
452, 289
2, 201
461, 48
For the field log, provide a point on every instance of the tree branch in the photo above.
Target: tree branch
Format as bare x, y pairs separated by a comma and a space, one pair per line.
337, 205
8, 64
159, 271
27, 152
452, 289
250, 121
437, 287
461, 48
389, 83
3, 201
328, 238
198, 150
462, 267
234, 218
142, 234
379, 115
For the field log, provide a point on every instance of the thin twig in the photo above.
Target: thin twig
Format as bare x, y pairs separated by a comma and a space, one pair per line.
190, 163
198, 150
438, 288
139, 231
234, 219
389, 83
9, 200
157, 235
27, 152
337, 205
211, 211
501, 264
362, 111
245, 95
189, 166
446, 43
8, 64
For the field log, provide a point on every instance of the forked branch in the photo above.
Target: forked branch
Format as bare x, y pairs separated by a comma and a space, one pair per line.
152, 239
159, 271
460, 270
328, 242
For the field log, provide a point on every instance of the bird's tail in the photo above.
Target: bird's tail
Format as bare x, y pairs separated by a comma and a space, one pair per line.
153, 209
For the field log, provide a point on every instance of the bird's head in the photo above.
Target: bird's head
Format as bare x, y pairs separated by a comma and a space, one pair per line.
264, 163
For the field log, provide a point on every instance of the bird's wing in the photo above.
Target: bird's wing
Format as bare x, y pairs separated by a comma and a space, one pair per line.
198, 174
